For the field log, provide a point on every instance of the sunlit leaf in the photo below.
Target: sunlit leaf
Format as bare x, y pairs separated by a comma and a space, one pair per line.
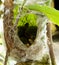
50, 12
28, 18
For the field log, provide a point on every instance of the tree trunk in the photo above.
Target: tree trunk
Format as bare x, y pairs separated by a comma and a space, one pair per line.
8, 14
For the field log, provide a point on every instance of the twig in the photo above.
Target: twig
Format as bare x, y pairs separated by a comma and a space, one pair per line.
52, 56
6, 57
23, 3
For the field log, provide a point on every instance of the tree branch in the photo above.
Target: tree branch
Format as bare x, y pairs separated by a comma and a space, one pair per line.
51, 51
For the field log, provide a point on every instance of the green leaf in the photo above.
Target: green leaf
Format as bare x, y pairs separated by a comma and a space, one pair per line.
28, 18
50, 12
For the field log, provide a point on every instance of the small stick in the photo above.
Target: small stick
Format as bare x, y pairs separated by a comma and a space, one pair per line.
6, 57
51, 51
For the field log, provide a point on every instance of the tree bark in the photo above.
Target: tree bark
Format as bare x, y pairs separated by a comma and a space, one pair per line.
7, 23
